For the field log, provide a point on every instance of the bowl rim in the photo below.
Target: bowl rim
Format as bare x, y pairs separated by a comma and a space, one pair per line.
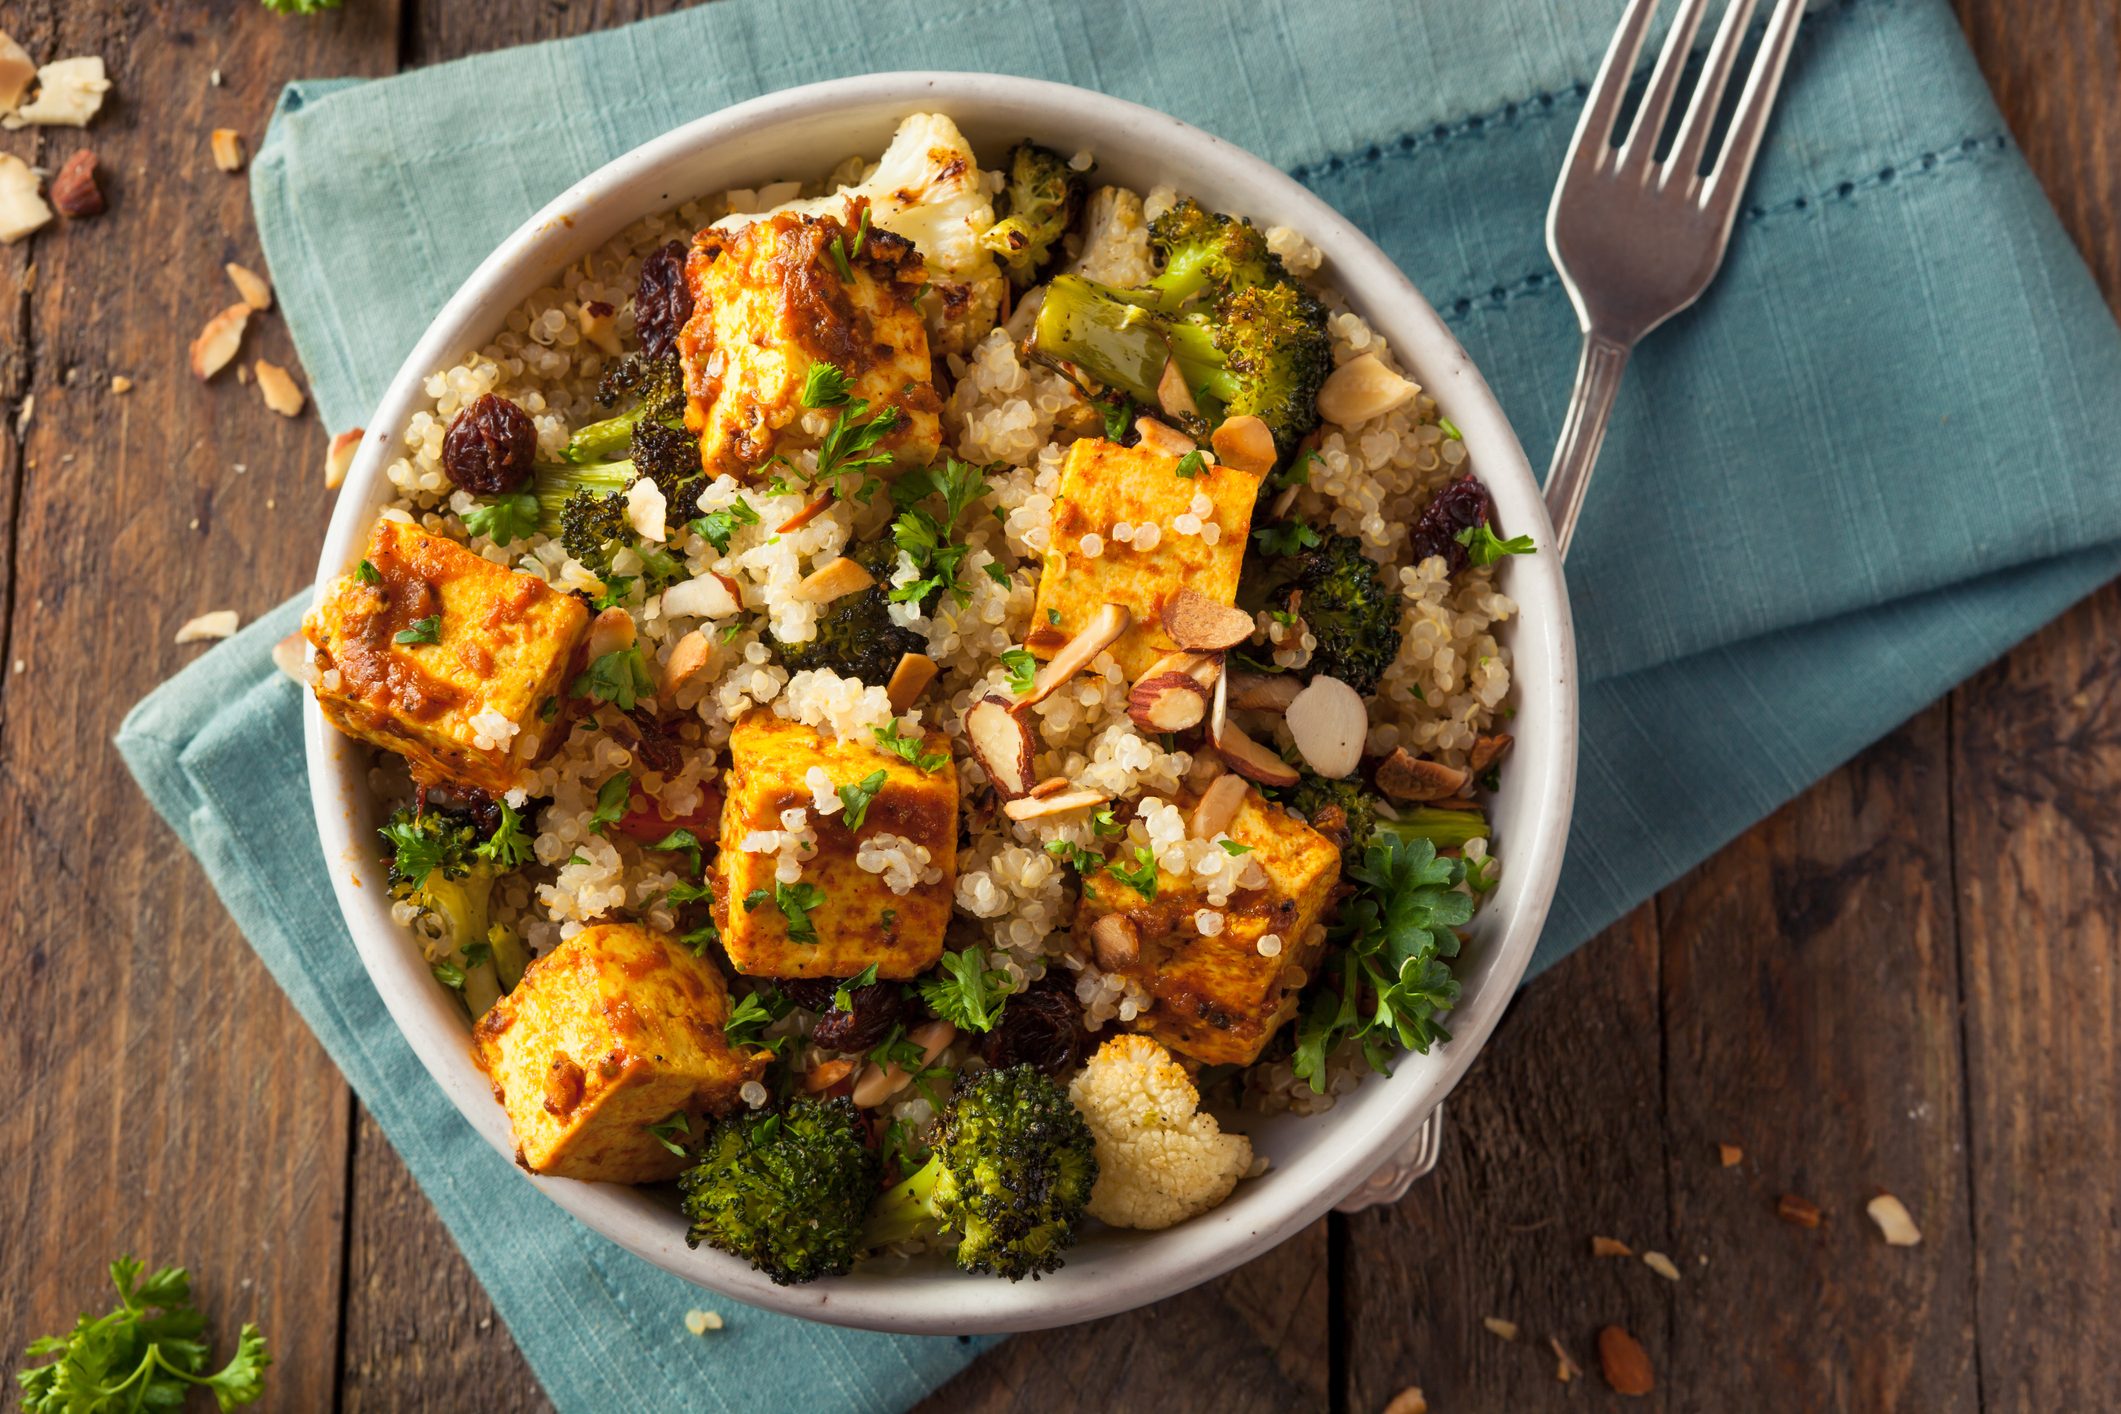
1139, 1268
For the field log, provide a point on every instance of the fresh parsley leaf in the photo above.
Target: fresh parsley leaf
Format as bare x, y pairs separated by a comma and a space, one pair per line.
928, 540
620, 677
699, 939
477, 954
681, 841
997, 573
839, 258
669, 1129
1483, 874
753, 1013
505, 519
1053, 617
1233, 848
616, 588
612, 798
1087, 861
1189, 465
549, 708
795, 902
578, 858
889, 918
826, 385
145, 1354
1285, 537
1118, 413
427, 630
415, 853
909, 747
1023, 669
969, 994
510, 846
849, 447
368, 573
1484, 548
448, 974
843, 995
1142, 877
716, 527
1296, 473
1104, 823
856, 797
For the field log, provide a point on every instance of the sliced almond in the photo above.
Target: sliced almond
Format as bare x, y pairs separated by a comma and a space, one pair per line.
250, 284
1893, 1220
598, 322
22, 208
227, 145
1248, 758
1565, 1368
218, 342
1116, 942
1001, 743
836, 580
1105, 628
1408, 1401
1174, 396
1487, 750
1625, 1364
804, 516
121, 384
826, 1074
1610, 1247
1052, 785
1498, 1326
1244, 443
611, 631
687, 657
1218, 806
1158, 437
1173, 695
910, 679
1360, 389
704, 596
16, 71
291, 655
1039, 807
1330, 725
1405, 776
218, 624
1802, 1212
879, 1084
1201, 625
1205, 770
339, 460
1661, 1264
277, 387
1263, 692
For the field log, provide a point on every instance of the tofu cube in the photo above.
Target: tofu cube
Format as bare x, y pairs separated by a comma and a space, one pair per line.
769, 301
856, 916
1104, 484
443, 657
614, 1030
1218, 999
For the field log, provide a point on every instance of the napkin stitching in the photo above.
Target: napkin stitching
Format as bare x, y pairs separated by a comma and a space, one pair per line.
1927, 164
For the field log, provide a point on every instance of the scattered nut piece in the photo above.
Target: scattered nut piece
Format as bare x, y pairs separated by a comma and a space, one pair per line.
278, 388
1264, 692
1157, 437
1893, 1220
1610, 1247
1801, 1211
22, 209
910, 679
598, 322
1052, 785
74, 190
256, 292
1218, 806
1244, 443
1626, 1364
1248, 758
611, 631
1001, 743
701, 1322
227, 145
878, 1085
1360, 389
339, 459
686, 659
1731, 1155
16, 71
1039, 807
804, 516
291, 655
218, 624
1405, 776
1487, 750
119, 383
1660, 1264
1198, 624
1330, 725
706, 596
826, 1074
1408, 1401
1565, 1369
842, 577
1116, 941
1173, 395
1506, 1329
1104, 629
69, 92
218, 341
1172, 696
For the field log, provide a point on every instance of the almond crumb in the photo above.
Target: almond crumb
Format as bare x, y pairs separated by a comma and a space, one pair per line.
1801, 1211
1565, 1369
701, 1322
218, 341
227, 146
1408, 1401
1626, 1363
279, 390
1610, 1247
1893, 1220
119, 383
250, 284
1660, 1264
1731, 1155
218, 624
1506, 1329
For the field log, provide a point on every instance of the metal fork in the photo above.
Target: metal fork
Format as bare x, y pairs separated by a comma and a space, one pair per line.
1637, 240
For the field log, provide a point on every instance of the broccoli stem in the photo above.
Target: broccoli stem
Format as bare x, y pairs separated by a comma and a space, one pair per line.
904, 1212
1123, 344
462, 906
609, 439
1446, 829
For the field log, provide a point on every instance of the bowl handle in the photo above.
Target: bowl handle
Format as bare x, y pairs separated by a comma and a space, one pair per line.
1396, 1175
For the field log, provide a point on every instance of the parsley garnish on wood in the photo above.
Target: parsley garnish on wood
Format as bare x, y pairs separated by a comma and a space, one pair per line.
147, 1353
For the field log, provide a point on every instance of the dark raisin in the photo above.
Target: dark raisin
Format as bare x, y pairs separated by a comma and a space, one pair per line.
653, 743
809, 993
662, 302
876, 1007
490, 446
1458, 507
469, 802
1041, 1028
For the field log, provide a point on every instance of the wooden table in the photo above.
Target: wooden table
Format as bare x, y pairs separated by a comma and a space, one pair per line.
1904, 980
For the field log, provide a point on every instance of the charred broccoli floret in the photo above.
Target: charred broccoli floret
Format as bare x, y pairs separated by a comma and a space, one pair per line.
1206, 255
1345, 599
1036, 208
1012, 1172
1353, 817
585, 503
1258, 349
787, 1191
656, 387
588, 521
856, 636
441, 862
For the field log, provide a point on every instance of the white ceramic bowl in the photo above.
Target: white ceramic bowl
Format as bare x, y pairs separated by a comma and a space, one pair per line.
1314, 1161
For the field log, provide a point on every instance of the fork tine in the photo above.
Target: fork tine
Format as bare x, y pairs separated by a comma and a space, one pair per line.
1664, 82
1708, 95
1594, 130
1749, 123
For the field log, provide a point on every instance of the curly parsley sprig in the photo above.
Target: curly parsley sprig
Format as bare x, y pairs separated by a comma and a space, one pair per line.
147, 1353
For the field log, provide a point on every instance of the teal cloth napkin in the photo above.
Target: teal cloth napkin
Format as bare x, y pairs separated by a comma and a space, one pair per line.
1877, 454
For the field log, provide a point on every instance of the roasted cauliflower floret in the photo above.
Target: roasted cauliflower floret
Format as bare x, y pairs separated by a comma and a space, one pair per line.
780, 295
1159, 1159
928, 188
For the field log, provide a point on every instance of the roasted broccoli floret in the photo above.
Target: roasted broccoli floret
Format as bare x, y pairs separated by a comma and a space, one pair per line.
588, 520
1012, 1172
1037, 206
440, 861
1259, 349
1206, 255
856, 636
1344, 598
585, 503
656, 387
785, 1191
1351, 815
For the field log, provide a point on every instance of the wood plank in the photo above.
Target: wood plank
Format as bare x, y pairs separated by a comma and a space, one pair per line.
2038, 863
170, 1103
1554, 1137
1810, 1017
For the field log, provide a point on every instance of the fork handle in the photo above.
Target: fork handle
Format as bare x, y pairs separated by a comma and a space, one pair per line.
1583, 431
